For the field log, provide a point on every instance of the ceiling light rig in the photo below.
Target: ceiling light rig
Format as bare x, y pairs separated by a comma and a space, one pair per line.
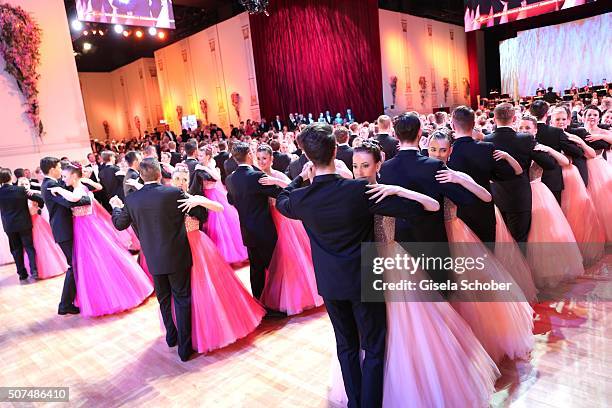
255, 6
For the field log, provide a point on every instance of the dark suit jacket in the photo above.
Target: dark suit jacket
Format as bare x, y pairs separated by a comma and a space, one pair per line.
230, 166
130, 174
14, 208
175, 158
514, 194
413, 171
159, 224
220, 161
191, 165
476, 159
345, 153
280, 161
388, 144
251, 200
295, 167
557, 139
338, 217
278, 125
113, 186
60, 213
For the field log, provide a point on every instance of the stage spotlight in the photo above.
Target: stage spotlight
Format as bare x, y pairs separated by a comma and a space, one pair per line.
139, 34
152, 31
86, 46
161, 35
76, 25
100, 32
126, 33
85, 32
118, 28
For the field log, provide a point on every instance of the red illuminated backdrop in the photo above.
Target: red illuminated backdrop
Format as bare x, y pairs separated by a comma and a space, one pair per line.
317, 55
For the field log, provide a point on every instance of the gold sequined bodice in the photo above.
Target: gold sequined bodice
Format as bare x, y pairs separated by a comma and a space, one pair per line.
192, 224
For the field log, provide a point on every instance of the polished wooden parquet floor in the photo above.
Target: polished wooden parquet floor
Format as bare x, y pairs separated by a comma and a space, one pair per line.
122, 360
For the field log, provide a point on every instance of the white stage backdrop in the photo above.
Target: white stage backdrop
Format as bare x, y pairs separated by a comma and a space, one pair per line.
557, 55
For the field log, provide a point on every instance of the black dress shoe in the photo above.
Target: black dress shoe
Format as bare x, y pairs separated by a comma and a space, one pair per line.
187, 356
274, 314
68, 310
35, 277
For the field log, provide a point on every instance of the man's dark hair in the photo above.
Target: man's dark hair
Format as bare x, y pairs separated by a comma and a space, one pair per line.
275, 145
318, 143
550, 88
19, 172
463, 118
48, 163
106, 156
539, 109
131, 157
150, 169
222, 145
240, 152
191, 147
341, 134
5, 175
407, 127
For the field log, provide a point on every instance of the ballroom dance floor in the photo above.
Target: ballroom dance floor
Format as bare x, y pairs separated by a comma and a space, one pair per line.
123, 359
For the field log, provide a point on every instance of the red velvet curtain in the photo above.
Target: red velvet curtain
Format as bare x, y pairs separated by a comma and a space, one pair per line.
472, 51
317, 55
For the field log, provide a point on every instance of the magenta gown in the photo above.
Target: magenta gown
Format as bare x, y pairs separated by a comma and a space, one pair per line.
127, 238
432, 358
580, 213
222, 310
503, 326
223, 228
5, 250
108, 278
600, 189
50, 260
291, 286
552, 251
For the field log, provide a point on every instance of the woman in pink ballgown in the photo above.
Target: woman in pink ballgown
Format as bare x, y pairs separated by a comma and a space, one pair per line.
222, 227
222, 310
552, 251
291, 286
576, 202
108, 279
50, 260
432, 357
503, 323
600, 172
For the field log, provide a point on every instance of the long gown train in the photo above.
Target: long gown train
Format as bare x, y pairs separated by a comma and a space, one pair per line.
290, 285
580, 213
552, 251
222, 310
224, 227
600, 189
50, 260
108, 278
504, 324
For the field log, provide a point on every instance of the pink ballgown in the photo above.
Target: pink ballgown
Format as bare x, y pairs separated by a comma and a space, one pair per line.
600, 189
580, 213
126, 238
108, 278
552, 251
5, 250
224, 227
50, 260
291, 286
222, 311
504, 324
432, 357
510, 256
